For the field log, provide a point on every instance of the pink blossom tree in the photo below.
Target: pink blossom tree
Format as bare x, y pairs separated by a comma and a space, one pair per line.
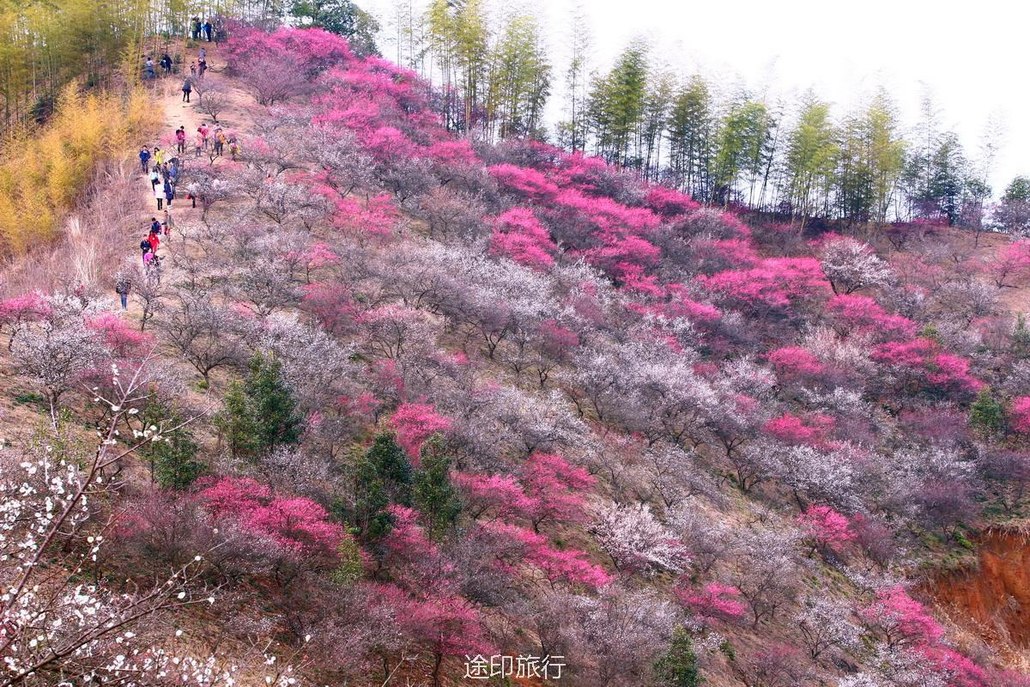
298, 525
714, 601
555, 488
414, 424
902, 620
519, 235
1019, 415
826, 527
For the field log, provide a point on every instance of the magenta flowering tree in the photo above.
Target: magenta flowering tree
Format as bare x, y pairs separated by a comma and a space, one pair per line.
528, 183
1019, 415
921, 365
826, 527
796, 364
440, 623
415, 423
791, 429
493, 497
519, 235
519, 551
669, 203
775, 285
901, 620
714, 601
18, 310
1010, 267
299, 526
122, 339
863, 315
555, 489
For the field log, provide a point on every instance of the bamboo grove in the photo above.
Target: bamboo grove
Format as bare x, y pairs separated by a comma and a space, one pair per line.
796, 158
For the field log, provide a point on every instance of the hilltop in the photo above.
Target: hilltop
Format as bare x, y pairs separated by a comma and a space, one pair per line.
403, 402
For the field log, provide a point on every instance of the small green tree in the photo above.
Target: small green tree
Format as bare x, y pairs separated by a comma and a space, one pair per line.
172, 456
175, 463
433, 494
342, 17
260, 413
1021, 338
678, 666
987, 414
351, 566
384, 476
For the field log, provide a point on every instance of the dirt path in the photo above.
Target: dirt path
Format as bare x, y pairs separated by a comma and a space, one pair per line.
168, 93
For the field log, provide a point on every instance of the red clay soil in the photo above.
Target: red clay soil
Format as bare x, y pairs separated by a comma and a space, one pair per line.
994, 600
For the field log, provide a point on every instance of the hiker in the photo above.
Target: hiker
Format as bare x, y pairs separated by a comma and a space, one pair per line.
201, 67
196, 28
154, 177
234, 148
167, 226
154, 239
159, 156
204, 133
155, 226
166, 63
153, 267
148, 69
187, 88
207, 30
202, 55
144, 159
219, 141
198, 145
159, 194
148, 259
193, 69
145, 247
122, 285
180, 140
169, 192
191, 193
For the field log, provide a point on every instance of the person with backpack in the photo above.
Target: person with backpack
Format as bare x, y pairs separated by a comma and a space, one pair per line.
180, 139
144, 159
234, 148
122, 285
187, 88
219, 141
155, 226
201, 67
166, 63
169, 192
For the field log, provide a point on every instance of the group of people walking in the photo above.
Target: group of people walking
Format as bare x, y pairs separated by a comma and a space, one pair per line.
162, 169
207, 29
197, 70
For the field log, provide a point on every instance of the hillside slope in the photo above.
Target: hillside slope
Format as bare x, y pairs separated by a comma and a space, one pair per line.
423, 403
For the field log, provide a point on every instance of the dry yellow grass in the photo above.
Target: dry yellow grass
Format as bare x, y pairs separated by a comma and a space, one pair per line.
44, 173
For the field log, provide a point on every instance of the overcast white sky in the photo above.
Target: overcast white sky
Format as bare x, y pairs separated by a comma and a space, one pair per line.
972, 56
